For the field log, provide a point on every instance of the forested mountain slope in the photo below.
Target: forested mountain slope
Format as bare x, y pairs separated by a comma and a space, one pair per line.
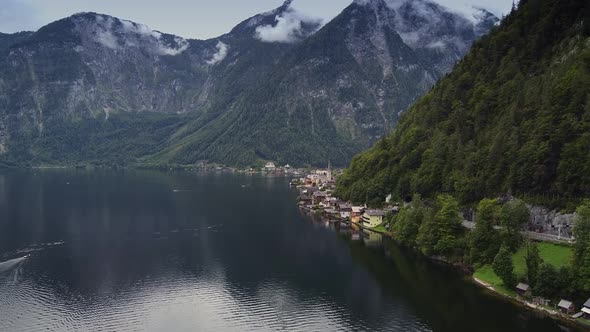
514, 116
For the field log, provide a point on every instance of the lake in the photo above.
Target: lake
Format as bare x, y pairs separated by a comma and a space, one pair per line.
98, 250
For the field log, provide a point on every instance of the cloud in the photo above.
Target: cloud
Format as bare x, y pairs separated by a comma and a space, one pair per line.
104, 33
117, 34
222, 50
290, 26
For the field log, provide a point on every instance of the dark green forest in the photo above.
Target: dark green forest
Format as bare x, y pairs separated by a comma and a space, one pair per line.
514, 116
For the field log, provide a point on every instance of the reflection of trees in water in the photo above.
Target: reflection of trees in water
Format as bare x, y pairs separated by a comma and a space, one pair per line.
440, 295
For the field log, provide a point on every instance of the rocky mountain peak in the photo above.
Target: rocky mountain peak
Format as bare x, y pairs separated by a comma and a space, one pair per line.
118, 34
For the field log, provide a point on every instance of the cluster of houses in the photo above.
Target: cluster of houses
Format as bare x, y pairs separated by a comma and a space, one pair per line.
564, 306
271, 168
316, 194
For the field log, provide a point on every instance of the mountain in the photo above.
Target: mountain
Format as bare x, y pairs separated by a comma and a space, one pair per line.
95, 88
9, 39
340, 89
513, 116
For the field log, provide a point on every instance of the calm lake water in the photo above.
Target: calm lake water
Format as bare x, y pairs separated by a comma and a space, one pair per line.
151, 251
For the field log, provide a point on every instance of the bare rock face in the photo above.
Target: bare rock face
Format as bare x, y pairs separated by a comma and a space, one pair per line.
314, 93
552, 222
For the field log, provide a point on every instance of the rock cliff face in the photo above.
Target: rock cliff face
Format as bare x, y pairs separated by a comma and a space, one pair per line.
552, 222
313, 94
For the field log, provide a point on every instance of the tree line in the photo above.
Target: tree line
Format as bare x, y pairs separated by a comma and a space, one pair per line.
434, 228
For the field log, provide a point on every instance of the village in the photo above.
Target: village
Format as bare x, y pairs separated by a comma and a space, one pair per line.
315, 196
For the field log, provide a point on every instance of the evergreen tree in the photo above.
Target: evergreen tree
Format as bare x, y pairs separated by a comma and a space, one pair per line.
484, 241
547, 282
504, 267
581, 231
514, 215
533, 260
582, 273
582, 247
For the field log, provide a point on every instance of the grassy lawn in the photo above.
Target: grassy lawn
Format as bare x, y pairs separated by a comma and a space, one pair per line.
380, 228
554, 254
487, 275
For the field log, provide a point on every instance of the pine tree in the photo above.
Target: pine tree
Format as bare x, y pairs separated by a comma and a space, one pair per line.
533, 260
484, 241
504, 267
514, 214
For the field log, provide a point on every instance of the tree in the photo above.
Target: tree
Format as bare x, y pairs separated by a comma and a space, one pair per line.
533, 260
582, 247
408, 221
503, 266
547, 282
565, 282
582, 271
581, 231
440, 234
448, 224
513, 215
484, 241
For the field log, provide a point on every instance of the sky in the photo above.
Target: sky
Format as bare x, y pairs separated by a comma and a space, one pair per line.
200, 19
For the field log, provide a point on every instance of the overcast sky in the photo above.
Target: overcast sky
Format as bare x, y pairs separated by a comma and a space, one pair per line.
187, 18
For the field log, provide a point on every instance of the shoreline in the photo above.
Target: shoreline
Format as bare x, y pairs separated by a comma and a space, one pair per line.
553, 314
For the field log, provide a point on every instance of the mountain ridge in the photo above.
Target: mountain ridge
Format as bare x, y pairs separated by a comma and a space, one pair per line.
92, 67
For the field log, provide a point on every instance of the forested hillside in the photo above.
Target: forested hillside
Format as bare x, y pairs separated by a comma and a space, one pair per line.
514, 116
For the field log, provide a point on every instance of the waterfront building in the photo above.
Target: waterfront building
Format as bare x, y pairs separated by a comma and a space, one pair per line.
523, 289
356, 213
586, 309
566, 307
373, 218
270, 167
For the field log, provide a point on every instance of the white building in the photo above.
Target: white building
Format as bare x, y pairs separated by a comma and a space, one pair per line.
270, 167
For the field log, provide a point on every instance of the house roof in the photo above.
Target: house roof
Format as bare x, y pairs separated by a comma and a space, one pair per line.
522, 287
331, 211
564, 304
320, 194
375, 212
345, 206
587, 304
586, 310
357, 209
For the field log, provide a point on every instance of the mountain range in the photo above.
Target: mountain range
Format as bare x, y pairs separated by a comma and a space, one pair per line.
280, 86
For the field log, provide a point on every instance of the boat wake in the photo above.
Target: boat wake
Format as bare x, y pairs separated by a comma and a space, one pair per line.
11, 264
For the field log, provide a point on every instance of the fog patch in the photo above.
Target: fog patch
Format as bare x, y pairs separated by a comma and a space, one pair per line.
289, 27
118, 34
222, 50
